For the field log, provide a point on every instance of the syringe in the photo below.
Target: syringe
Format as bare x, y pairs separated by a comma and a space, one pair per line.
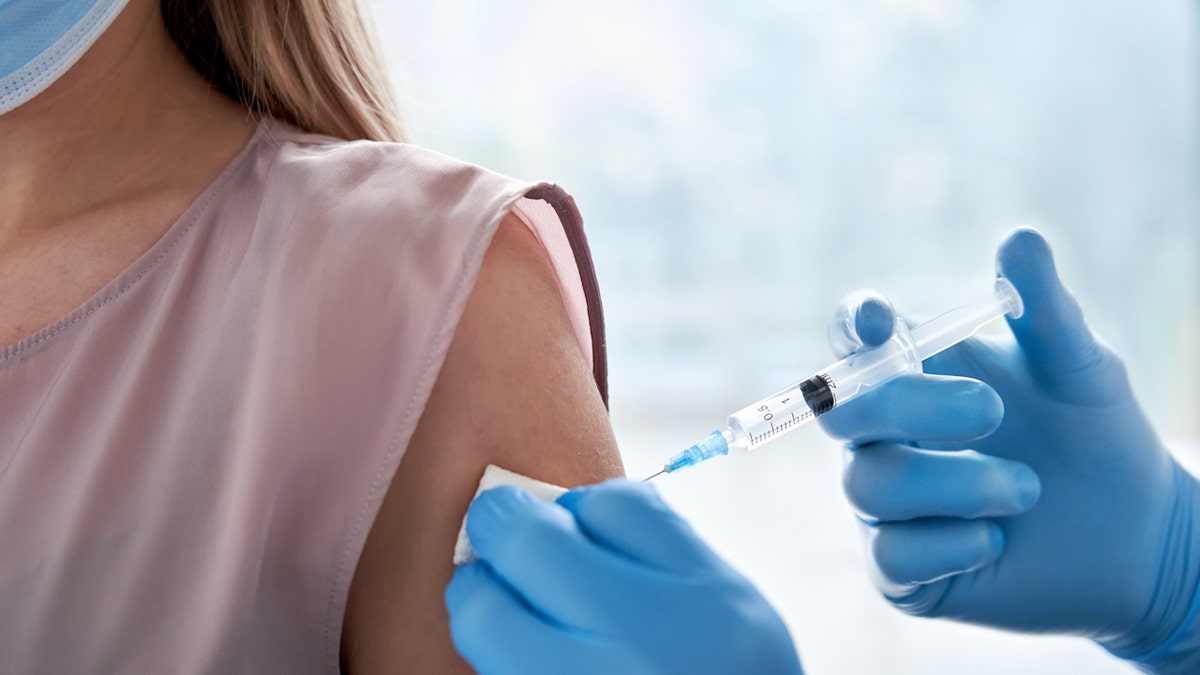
801, 402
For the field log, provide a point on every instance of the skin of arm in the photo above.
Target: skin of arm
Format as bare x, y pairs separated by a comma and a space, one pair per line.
515, 364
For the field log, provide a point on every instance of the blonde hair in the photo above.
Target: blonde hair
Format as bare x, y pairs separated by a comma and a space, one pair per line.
313, 63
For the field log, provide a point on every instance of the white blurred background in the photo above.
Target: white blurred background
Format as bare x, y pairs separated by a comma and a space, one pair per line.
741, 166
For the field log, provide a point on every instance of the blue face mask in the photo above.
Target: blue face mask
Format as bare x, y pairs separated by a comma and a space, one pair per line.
41, 39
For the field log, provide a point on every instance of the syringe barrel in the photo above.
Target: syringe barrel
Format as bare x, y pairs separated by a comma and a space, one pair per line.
803, 401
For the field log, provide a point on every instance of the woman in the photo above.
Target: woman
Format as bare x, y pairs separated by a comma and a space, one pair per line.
251, 371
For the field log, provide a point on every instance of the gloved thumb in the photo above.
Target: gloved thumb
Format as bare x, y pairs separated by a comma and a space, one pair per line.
1052, 332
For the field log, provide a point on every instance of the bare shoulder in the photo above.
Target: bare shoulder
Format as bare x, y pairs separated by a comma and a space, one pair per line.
516, 390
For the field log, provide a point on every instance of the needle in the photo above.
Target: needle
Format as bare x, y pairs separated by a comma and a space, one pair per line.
660, 472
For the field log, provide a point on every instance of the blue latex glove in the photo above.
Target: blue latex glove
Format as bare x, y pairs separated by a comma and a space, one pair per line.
1065, 515
608, 580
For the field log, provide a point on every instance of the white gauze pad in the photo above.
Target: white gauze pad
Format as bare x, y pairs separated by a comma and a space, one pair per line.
492, 477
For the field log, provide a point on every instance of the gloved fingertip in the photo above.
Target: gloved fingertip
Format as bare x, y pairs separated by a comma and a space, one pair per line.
994, 545
1028, 487
874, 320
1025, 259
477, 601
864, 318
1024, 250
570, 499
612, 488
973, 408
632, 519
459, 588
499, 497
492, 510
990, 408
985, 550
1052, 331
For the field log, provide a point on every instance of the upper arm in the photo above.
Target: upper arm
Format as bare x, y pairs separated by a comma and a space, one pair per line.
515, 390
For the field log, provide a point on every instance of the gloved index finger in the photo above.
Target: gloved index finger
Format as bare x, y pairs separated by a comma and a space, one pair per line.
918, 407
632, 519
863, 319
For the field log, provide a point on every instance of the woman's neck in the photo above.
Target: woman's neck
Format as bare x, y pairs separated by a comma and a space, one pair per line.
131, 119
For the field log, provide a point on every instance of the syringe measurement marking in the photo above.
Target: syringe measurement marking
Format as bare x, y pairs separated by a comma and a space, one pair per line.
774, 431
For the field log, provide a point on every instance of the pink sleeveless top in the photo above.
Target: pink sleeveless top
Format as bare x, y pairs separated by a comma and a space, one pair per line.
190, 461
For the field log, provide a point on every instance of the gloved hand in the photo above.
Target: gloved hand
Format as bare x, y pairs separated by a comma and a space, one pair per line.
608, 580
1023, 487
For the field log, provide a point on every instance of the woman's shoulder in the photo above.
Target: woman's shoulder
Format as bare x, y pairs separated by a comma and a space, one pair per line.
371, 210
377, 172
368, 214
